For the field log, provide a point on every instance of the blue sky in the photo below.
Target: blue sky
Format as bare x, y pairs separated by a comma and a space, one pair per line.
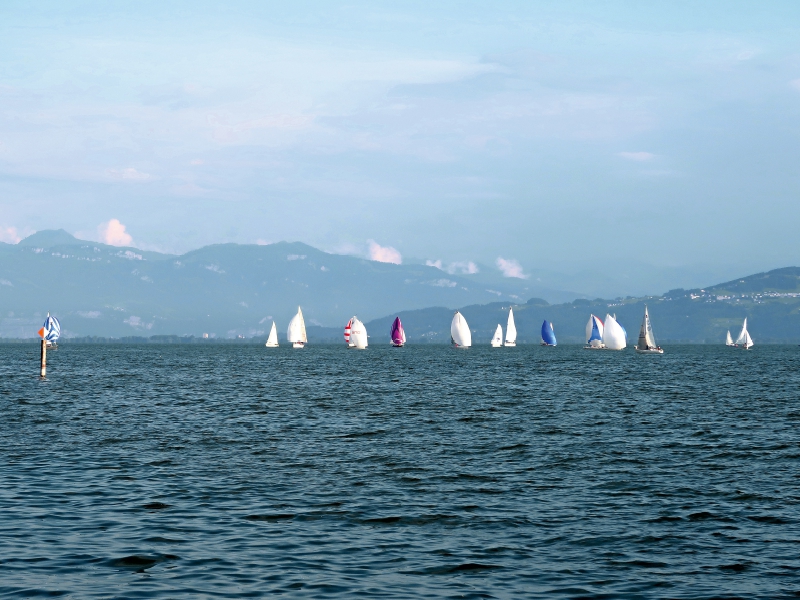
571, 137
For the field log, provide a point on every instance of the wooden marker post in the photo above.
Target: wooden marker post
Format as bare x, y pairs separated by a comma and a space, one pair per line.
44, 359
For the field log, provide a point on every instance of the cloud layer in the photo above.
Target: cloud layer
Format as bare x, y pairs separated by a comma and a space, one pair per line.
385, 254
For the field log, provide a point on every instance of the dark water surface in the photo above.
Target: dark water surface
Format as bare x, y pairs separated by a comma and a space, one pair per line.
233, 471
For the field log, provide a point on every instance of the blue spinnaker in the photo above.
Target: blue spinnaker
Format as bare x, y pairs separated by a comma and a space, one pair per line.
548, 335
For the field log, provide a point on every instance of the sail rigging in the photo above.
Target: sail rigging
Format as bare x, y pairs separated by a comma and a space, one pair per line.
548, 334
460, 335
511, 329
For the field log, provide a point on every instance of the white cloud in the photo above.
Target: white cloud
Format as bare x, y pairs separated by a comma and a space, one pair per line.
113, 233
385, 254
637, 156
511, 268
129, 174
295, 257
90, 314
9, 235
464, 267
443, 283
137, 322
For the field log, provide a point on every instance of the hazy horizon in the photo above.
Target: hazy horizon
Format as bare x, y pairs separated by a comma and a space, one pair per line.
622, 147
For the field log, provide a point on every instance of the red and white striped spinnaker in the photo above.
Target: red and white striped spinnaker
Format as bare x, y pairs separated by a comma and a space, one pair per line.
347, 329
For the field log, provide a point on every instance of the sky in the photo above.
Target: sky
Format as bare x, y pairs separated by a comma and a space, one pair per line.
602, 139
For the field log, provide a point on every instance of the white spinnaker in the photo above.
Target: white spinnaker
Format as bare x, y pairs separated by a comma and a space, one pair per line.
272, 340
511, 329
296, 333
459, 331
613, 334
358, 334
743, 335
497, 339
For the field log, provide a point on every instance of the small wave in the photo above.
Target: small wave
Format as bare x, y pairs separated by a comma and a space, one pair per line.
275, 517
141, 562
155, 506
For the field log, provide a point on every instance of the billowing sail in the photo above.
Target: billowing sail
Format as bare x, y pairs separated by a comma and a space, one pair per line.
497, 338
614, 337
460, 334
511, 330
296, 333
272, 340
728, 339
51, 330
744, 340
347, 331
647, 340
594, 332
548, 334
398, 334
358, 334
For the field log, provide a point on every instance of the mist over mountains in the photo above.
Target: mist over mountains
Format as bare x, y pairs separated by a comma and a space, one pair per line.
225, 290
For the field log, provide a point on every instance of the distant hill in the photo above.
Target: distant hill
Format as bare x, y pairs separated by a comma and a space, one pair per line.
770, 301
225, 290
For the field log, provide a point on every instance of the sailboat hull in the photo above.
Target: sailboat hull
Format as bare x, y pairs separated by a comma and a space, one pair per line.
650, 351
298, 345
511, 344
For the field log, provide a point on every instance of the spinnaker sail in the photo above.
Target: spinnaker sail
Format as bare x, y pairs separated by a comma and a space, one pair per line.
358, 334
347, 332
594, 332
460, 335
548, 334
51, 330
398, 334
614, 337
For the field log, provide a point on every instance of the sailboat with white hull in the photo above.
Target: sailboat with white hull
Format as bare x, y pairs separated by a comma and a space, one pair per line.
744, 340
647, 341
272, 340
594, 333
729, 339
296, 333
511, 330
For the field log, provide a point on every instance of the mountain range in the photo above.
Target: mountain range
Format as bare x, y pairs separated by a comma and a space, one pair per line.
232, 290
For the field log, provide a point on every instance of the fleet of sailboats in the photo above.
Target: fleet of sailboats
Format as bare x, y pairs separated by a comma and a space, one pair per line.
460, 335
647, 341
606, 334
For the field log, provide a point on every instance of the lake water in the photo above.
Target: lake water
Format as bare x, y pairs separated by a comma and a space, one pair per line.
237, 471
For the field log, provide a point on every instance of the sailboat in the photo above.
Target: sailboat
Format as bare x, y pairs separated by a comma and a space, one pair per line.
647, 341
358, 334
729, 339
296, 334
348, 329
460, 335
744, 340
594, 333
511, 330
497, 338
50, 331
272, 340
398, 334
548, 334
614, 336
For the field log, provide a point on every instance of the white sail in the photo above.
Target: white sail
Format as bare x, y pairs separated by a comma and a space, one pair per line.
460, 334
358, 334
728, 339
594, 332
296, 333
511, 330
744, 340
272, 340
741, 339
497, 339
647, 340
613, 334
